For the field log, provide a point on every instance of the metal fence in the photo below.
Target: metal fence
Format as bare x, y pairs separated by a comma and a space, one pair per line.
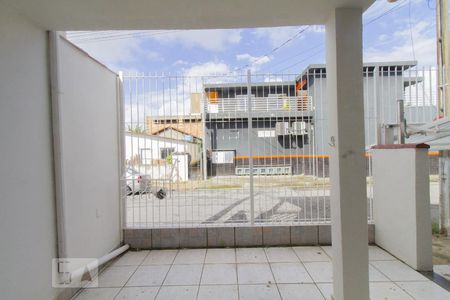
199, 153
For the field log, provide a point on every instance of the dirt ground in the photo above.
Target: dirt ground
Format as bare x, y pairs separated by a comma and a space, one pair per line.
441, 250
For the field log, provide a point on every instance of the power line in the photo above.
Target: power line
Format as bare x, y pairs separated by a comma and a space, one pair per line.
389, 11
119, 36
411, 31
296, 35
299, 62
386, 12
295, 55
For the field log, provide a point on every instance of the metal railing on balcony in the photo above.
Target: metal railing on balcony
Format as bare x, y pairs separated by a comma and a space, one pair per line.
276, 103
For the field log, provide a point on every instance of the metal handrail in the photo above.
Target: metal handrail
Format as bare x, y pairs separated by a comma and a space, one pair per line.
271, 103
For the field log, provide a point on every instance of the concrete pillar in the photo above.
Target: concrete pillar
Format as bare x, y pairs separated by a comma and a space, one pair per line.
347, 149
401, 205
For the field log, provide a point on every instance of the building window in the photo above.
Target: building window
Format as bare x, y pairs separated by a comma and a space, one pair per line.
165, 152
146, 156
266, 133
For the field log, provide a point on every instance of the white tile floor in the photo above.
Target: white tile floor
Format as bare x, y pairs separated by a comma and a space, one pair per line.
250, 273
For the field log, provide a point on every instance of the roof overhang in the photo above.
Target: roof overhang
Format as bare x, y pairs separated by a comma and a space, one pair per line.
177, 14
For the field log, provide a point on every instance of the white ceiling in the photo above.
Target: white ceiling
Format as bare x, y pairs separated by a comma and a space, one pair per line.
177, 14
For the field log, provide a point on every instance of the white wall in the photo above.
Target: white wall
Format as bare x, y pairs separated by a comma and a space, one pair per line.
90, 153
27, 214
401, 204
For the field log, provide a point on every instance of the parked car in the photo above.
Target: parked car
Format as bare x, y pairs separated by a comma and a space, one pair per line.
138, 183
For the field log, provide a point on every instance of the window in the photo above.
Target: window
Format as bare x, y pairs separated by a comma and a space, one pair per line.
165, 152
266, 133
146, 156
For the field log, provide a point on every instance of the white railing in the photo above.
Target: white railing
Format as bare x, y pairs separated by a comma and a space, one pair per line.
260, 104
213, 195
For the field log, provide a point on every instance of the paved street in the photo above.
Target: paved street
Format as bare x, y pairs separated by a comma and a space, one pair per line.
229, 206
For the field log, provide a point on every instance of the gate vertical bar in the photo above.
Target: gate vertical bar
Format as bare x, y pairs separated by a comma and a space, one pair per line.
203, 161
250, 145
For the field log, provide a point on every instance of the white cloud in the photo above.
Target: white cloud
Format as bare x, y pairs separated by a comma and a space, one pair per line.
113, 52
317, 28
398, 45
213, 40
208, 68
276, 35
180, 62
254, 62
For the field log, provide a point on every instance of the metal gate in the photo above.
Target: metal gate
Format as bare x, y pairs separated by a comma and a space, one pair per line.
242, 149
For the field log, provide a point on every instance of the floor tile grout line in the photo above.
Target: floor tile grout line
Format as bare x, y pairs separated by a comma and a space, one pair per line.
121, 288
271, 271
165, 277
201, 274
321, 247
237, 273
310, 276
391, 280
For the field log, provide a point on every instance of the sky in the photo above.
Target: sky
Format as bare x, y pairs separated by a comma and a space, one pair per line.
404, 30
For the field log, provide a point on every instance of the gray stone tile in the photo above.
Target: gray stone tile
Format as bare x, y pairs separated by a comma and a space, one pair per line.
137, 293
251, 255
160, 257
217, 256
218, 292
114, 276
276, 236
98, 294
307, 235
165, 238
326, 289
300, 292
376, 276
290, 273
177, 293
221, 237
219, 274
388, 290
426, 290
398, 271
190, 256
131, 258
258, 292
281, 254
138, 238
321, 272
376, 253
324, 234
149, 275
193, 238
254, 273
310, 254
328, 250
248, 236
184, 275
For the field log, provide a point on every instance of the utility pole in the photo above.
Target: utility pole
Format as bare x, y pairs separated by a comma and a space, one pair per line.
443, 94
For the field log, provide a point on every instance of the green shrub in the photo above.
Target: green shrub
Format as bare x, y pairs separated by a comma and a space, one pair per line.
435, 228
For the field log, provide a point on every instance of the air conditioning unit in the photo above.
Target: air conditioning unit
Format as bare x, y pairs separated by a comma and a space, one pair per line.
282, 128
299, 128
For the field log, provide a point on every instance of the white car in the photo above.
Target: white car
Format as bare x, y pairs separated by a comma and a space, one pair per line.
138, 183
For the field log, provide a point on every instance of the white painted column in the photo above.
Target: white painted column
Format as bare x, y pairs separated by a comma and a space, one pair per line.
347, 149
